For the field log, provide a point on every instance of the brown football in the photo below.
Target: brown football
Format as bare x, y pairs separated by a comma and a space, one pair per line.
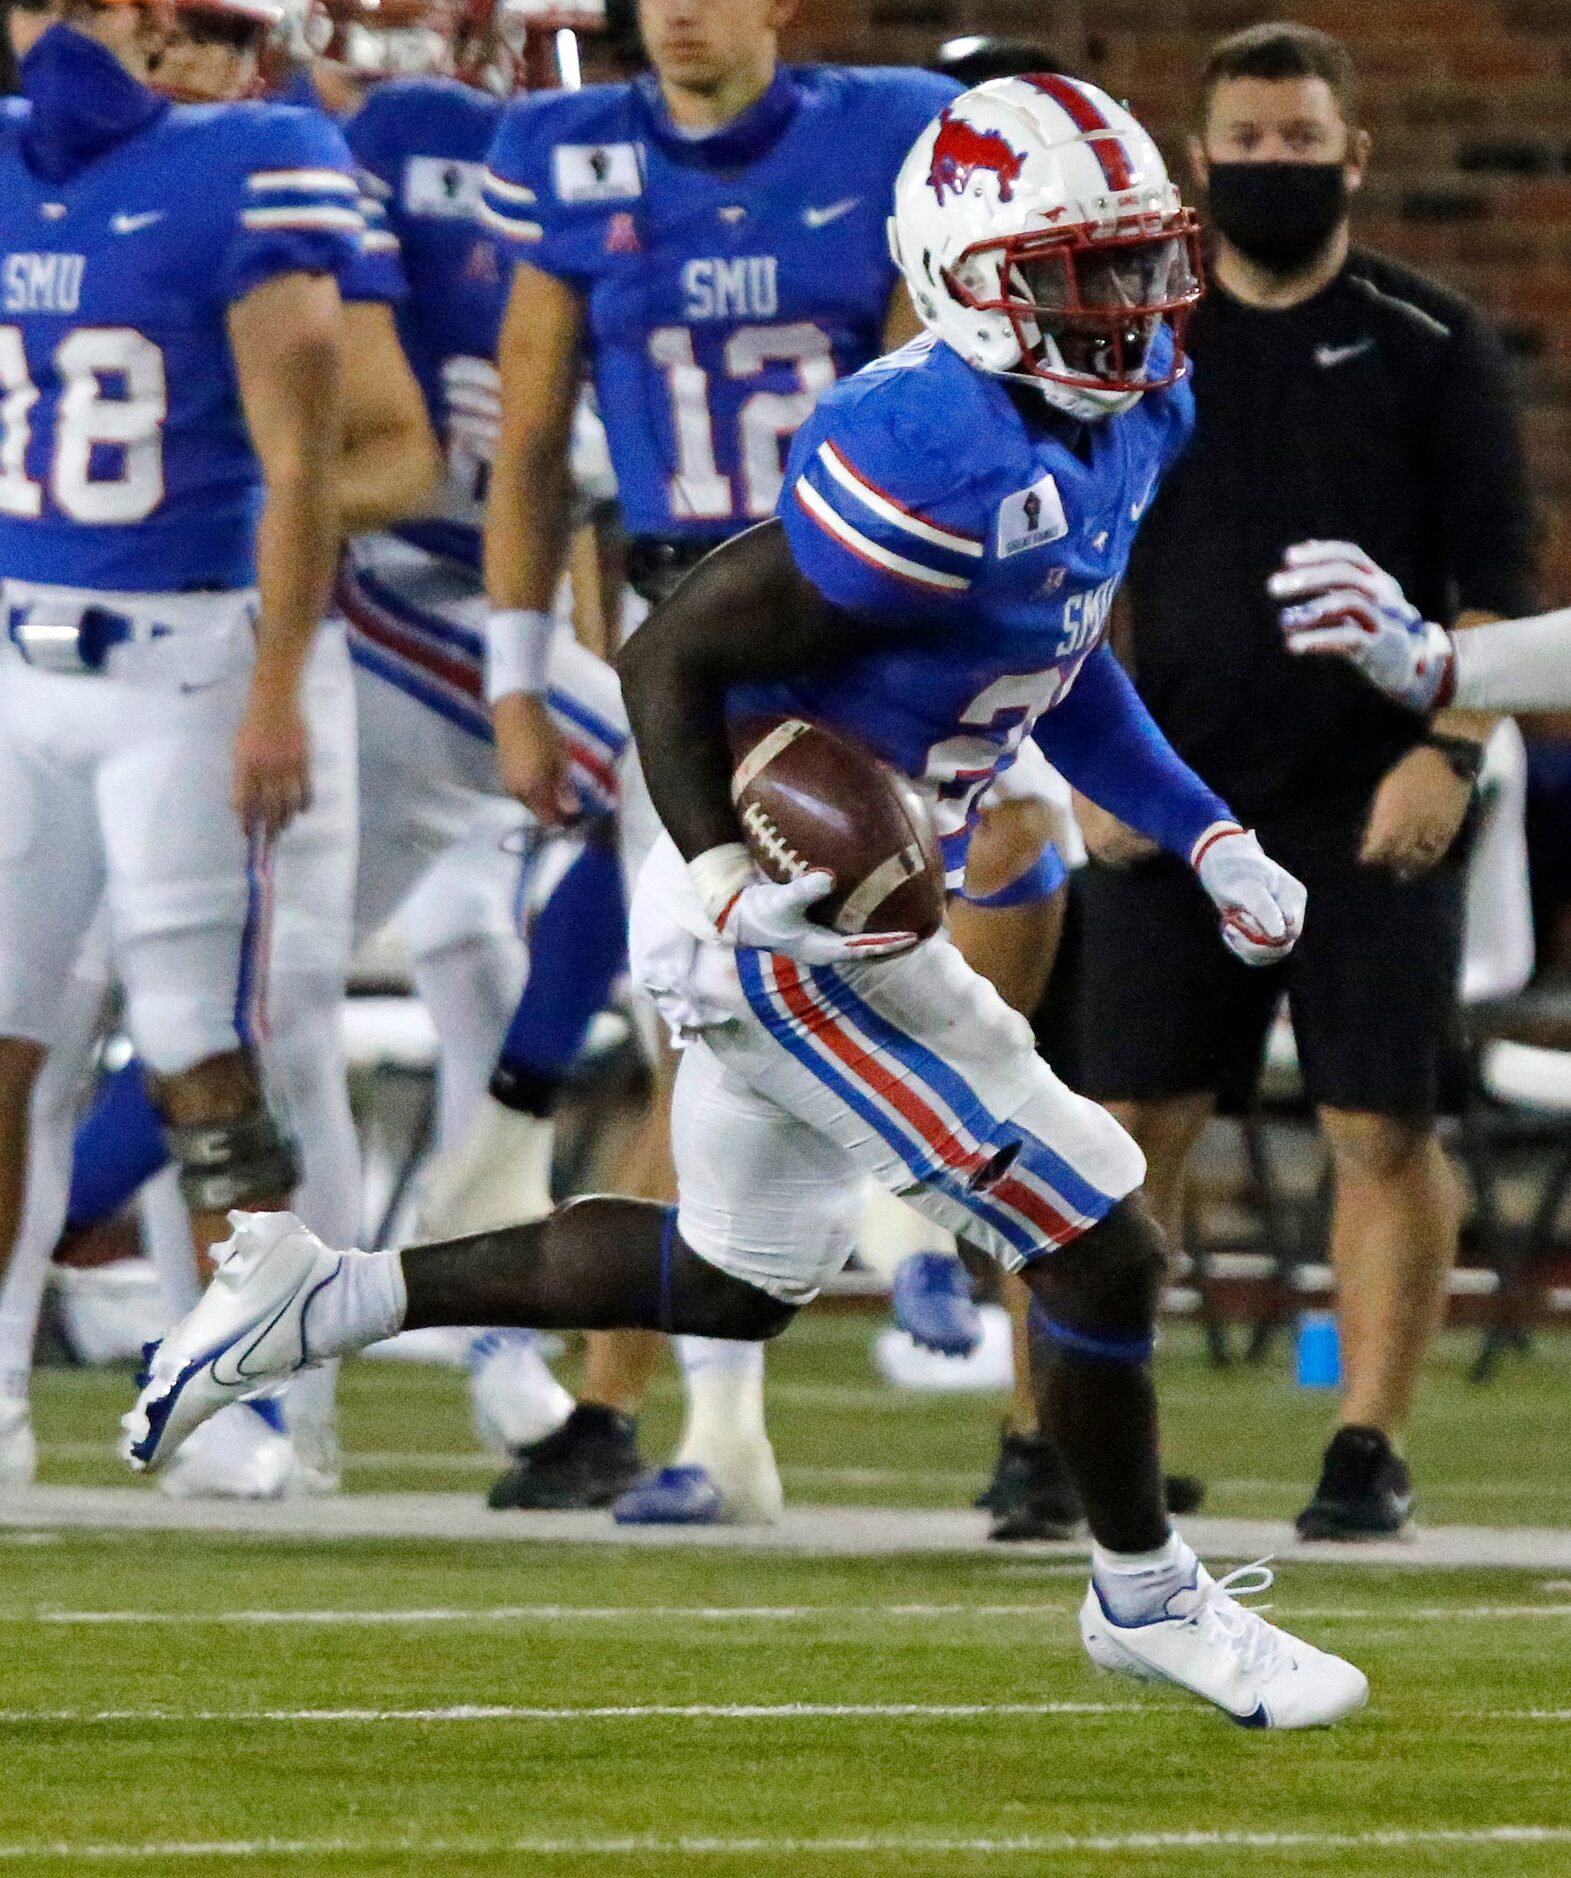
808, 797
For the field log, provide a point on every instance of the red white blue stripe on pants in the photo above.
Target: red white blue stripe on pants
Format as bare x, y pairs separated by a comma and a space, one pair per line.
921, 1106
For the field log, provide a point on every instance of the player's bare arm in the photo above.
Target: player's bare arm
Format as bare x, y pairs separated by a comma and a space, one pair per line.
527, 527
286, 337
677, 667
390, 463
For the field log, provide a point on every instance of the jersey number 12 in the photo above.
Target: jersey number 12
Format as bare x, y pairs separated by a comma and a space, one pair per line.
129, 425
698, 490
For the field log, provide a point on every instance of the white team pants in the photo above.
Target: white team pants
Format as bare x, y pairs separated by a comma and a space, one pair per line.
116, 788
797, 1082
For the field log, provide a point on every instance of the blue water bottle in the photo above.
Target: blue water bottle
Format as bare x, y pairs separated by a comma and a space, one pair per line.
1319, 1351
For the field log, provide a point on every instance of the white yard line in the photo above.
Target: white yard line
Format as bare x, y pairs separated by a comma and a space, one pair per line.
550, 1614
734, 1614
652, 1711
901, 1845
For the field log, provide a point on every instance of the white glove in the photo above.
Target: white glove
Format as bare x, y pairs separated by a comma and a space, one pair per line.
751, 912
1261, 904
1350, 608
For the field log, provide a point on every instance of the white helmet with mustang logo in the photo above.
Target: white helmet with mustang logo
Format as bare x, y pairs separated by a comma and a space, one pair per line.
1041, 237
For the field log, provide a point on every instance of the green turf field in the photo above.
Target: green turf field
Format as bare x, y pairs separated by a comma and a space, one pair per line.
328, 1742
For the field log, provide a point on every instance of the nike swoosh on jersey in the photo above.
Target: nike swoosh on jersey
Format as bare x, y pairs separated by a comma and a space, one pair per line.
129, 224
1327, 355
831, 212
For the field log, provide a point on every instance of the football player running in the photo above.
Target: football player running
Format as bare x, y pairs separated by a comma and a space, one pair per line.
172, 361
1341, 605
936, 584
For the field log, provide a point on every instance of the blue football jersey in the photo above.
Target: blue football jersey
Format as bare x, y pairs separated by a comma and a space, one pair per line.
422, 144
124, 458
729, 280
987, 533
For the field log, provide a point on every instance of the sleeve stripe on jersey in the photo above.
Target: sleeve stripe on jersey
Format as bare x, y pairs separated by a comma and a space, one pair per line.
509, 225
506, 191
870, 551
305, 216
332, 182
888, 509
380, 241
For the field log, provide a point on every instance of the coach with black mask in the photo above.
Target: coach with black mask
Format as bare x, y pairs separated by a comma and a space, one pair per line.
1340, 396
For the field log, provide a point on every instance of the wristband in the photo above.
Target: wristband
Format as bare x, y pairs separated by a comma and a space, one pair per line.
1464, 756
720, 874
517, 652
1209, 839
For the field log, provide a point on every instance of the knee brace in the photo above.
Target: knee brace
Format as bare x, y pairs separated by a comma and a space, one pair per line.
233, 1163
1096, 1300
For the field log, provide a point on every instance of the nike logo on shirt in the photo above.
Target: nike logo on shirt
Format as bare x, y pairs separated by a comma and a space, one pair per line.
1328, 355
831, 212
129, 224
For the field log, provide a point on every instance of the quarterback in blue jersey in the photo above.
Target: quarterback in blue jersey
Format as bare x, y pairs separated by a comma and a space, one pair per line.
939, 606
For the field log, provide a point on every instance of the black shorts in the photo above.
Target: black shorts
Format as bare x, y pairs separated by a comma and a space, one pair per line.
1164, 1009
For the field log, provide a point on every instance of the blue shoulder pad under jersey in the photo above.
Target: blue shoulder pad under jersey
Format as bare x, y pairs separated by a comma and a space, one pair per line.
135, 470
984, 533
728, 279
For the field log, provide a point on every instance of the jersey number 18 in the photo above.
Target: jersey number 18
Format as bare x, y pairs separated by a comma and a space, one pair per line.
129, 425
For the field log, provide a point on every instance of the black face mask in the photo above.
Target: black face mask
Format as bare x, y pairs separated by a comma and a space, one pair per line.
1279, 214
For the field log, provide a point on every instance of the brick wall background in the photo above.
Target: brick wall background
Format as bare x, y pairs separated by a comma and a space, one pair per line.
1469, 105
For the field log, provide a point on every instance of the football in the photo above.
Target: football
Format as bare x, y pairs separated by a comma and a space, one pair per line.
808, 797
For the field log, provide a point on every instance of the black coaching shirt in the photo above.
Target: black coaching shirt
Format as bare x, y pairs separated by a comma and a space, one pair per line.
1376, 412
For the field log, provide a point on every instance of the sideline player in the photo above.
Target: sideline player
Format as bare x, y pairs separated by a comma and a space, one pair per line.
423, 803
708, 242
1344, 606
171, 352
211, 53
955, 521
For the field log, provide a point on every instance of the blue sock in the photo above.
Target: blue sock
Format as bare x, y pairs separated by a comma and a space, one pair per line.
119, 1144
576, 950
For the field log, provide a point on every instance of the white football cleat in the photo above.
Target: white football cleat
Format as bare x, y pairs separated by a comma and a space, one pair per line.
1211, 1645
18, 1447
513, 1397
498, 1175
247, 1331
237, 1455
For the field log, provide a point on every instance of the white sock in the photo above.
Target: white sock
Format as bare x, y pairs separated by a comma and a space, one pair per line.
725, 1396
1136, 1586
363, 1304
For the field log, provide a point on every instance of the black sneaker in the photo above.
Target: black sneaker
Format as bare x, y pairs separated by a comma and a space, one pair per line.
1030, 1495
1034, 1499
1365, 1490
586, 1462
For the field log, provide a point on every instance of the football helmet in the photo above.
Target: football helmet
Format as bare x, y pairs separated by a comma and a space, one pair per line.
373, 39
1041, 238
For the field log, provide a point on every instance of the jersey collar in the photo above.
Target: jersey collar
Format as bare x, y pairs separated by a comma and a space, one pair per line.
747, 137
84, 103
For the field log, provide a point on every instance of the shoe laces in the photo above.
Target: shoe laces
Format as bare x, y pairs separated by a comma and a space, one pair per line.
1257, 1644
